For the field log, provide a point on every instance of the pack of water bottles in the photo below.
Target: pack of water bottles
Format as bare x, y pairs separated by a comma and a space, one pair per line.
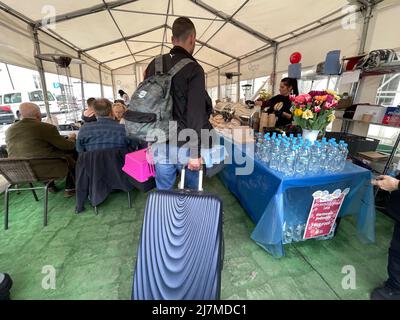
293, 156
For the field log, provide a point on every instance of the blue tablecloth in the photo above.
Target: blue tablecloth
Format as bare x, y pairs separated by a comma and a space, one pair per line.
272, 200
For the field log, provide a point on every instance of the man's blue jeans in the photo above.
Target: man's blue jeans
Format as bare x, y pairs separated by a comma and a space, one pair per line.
169, 160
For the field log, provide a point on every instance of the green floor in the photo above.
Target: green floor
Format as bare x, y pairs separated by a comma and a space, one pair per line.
94, 255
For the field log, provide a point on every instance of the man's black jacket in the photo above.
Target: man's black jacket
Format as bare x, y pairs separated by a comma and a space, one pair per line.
192, 105
98, 173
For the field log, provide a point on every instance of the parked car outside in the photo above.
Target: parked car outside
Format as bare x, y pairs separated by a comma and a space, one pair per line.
15, 98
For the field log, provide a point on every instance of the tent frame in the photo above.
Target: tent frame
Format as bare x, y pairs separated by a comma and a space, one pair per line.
364, 6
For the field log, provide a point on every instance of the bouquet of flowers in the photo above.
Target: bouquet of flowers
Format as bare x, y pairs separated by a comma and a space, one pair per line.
314, 111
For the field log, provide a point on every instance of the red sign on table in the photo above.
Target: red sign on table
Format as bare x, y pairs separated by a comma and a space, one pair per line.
323, 213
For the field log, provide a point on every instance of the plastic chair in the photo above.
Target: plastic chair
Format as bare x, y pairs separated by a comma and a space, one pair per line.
19, 171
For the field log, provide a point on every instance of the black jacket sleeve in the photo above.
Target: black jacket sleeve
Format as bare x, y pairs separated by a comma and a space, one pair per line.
196, 108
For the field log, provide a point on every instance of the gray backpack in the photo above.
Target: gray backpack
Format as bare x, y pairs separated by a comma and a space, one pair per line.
150, 108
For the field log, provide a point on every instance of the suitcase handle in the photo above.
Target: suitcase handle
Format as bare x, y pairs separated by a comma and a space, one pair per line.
181, 185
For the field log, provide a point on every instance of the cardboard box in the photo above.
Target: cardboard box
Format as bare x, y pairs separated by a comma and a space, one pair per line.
377, 112
373, 156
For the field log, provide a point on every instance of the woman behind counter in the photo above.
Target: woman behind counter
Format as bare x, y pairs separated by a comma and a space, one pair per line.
280, 104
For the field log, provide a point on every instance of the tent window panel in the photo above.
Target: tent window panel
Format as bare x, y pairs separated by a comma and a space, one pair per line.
246, 82
213, 92
92, 90
388, 93
108, 93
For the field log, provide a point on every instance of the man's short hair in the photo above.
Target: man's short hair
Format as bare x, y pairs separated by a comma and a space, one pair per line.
182, 28
102, 107
90, 101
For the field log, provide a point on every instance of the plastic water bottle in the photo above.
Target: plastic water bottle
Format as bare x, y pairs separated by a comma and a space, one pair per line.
302, 161
343, 152
275, 156
284, 152
259, 144
314, 165
287, 234
324, 147
298, 232
266, 156
288, 166
332, 156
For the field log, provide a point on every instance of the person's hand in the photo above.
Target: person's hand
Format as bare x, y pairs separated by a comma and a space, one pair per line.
195, 164
258, 103
72, 136
386, 183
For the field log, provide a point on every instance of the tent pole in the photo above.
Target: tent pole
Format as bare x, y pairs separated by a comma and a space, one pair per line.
101, 82
39, 64
136, 75
9, 76
113, 86
238, 83
273, 75
367, 20
364, 36
219, 84
82, 86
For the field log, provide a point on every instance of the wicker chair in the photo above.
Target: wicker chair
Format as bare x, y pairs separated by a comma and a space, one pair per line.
19, 171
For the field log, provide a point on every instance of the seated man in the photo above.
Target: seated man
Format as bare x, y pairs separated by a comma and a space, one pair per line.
31, 138
88, 115
105, 133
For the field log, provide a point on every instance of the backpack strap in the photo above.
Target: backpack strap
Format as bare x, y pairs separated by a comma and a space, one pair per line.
159, 65
178, 67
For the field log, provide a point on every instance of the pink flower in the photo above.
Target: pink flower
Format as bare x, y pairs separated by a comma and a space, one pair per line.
302, 106
317, 109
308, 98
328, 106
292, 98
330, 98
300, 99
316, 93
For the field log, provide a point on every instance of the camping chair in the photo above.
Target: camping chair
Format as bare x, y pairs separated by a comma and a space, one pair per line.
19, 171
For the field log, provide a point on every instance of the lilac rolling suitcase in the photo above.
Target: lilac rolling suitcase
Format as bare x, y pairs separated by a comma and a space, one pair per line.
180, 253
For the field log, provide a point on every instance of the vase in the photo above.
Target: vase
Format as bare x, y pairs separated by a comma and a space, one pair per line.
310, 135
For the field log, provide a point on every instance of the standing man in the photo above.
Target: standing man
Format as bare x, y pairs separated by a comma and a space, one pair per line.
391, 288
191, 108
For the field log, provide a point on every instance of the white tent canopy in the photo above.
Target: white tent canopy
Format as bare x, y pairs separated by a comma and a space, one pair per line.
122, 35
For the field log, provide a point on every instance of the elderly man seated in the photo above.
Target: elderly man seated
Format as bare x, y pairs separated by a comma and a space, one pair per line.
105, 133
31, 138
